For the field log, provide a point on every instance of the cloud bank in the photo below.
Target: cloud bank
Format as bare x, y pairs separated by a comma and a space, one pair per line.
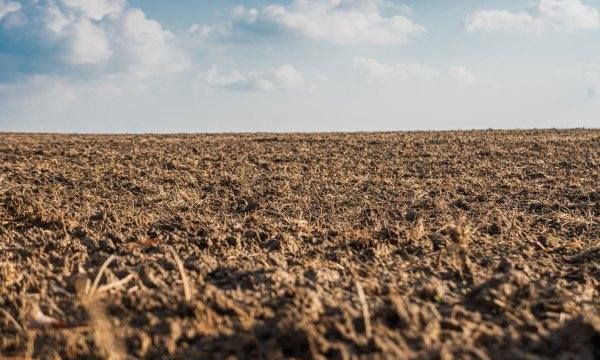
90, 35
551, 15
344, 22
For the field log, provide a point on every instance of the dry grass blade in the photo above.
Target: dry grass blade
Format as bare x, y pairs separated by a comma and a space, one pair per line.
94, 287
11, 319
187, 290
115, 284
37, 319
365, 309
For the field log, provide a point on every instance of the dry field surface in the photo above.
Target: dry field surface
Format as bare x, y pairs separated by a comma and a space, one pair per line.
450, 245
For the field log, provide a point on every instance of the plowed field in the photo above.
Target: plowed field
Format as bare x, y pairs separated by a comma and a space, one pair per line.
424, 245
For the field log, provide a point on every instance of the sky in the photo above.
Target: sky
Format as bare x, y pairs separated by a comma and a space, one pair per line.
147, 66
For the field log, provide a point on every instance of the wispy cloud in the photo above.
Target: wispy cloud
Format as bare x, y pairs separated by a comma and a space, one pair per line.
281, 78
7, 7
380, 73
462, 74
374, 71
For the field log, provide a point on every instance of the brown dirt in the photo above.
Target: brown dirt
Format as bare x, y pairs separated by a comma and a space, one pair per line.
470, 245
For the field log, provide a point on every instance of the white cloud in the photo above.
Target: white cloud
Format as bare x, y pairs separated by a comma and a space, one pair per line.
209, 31
241, 14
89, 44
147, 47
8, 7
281, 78
55, 20
462, 74
104, 33
501, 20
375, 71
569, 14
552, 15
336, 21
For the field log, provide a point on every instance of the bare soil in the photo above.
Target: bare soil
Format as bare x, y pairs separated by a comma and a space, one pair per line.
430, 245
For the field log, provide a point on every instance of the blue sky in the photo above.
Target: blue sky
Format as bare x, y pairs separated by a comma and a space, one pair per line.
297, 65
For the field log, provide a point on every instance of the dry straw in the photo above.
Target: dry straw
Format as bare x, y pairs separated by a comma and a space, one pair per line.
365, 309
187, 290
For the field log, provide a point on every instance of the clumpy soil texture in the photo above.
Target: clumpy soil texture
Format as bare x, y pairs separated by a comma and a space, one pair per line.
450, 245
